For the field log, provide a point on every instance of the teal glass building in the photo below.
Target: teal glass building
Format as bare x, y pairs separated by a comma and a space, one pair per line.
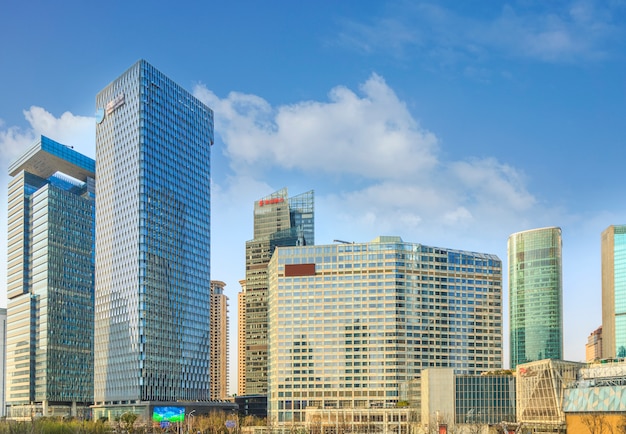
50, 283
614, 292
152, 286
535, 295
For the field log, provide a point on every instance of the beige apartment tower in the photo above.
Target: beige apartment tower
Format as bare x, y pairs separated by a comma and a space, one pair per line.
219, 341
241, 339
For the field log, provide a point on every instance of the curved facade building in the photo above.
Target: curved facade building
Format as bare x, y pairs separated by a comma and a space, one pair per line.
535, 295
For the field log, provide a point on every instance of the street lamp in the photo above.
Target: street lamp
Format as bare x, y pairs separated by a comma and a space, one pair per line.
189, 420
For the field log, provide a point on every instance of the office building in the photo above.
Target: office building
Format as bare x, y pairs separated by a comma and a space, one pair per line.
241, 339
613, 251
219, 341
350, 323
535, 295
593, 348
3, 358
50, 282
278, 221
152, 315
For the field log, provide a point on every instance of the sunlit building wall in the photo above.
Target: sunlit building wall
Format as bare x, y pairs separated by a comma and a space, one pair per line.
152, 315
219, 341
535, 295
241, 339
613, 251
349, 323
50, 282
593, 348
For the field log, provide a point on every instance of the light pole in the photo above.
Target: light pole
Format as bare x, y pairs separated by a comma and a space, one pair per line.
189, 421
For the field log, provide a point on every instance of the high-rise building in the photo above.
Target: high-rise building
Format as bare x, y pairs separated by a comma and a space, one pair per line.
241, 339
153, 141
3, 358
613, 253
278, 221
535, 295
350, 323
593, 349
50, 282
219, 341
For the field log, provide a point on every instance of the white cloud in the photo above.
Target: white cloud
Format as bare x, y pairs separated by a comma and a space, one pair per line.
372, 135
402, 185
578, 30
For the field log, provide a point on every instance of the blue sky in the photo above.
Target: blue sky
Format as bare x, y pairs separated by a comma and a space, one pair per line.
449, 123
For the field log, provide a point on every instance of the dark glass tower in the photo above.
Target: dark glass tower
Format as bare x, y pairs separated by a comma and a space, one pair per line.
153, 142
278, 221
50, 278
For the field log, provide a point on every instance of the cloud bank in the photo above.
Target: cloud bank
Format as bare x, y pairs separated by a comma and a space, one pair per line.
370, 161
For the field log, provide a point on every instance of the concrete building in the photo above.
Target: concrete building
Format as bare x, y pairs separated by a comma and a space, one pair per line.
535, 295
152, 316
3, 360
219, 341
467, 403
613, 251
593, 348
241, 339
50, 283
278, 221
349, 323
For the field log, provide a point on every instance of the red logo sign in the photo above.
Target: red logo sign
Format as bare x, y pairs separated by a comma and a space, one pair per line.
271, 201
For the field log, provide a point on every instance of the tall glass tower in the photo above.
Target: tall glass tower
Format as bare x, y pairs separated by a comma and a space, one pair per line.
535, 295
278, 221
614, 291
153, 141
49, 336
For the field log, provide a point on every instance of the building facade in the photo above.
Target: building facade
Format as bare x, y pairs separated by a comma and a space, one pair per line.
593, 348
219, 341
349, 323
535, 295
3, 358
241, 339
50, 282
152, 325
613, 251
278, 221
541, 388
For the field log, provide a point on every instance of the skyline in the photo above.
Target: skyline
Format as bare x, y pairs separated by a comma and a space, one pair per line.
471, 122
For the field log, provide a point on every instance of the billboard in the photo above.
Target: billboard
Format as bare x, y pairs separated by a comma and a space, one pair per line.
168, 414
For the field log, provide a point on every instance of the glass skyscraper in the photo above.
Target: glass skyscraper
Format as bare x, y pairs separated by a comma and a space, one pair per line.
349, 323
535, 295
614, 291
153, 142
278, 221
50, 276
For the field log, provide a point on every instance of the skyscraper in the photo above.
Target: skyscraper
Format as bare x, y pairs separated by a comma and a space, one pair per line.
278, 221
153, 141
241, 339
614, 291
219, 341
349, 323
50, 282
535, 295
